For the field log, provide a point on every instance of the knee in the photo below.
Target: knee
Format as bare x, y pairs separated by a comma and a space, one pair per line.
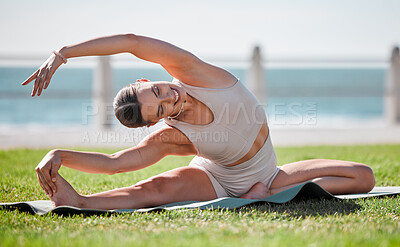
365, 178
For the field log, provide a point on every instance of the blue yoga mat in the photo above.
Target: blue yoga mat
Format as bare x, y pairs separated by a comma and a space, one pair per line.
304, 191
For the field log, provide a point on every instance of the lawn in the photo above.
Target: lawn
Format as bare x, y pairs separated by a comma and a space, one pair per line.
370, 222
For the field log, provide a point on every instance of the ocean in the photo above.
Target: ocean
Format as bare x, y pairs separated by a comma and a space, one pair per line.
295, 96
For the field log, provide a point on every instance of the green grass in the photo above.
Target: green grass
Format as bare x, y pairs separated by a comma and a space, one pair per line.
371, 222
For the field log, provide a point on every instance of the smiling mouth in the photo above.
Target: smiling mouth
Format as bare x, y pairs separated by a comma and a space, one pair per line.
176, 95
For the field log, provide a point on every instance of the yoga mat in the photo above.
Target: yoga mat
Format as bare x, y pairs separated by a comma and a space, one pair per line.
304, 191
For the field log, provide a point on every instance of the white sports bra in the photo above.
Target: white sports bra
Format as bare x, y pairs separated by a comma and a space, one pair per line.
238, 117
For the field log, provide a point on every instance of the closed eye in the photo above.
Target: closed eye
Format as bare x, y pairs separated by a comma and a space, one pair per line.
156, 91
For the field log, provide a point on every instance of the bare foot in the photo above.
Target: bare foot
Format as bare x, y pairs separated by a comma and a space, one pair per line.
258, 191
65, 195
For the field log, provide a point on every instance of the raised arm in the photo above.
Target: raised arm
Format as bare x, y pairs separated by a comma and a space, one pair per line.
166, 141
145, 48
179, 63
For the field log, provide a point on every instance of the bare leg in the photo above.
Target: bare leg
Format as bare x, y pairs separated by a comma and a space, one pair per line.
181, 184
335, 176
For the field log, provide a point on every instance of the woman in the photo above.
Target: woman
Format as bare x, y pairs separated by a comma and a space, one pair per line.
208, 113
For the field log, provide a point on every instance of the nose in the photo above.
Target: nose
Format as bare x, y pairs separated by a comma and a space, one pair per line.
168, 97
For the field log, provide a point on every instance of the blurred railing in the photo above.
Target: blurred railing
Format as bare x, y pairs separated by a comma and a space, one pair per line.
102, 89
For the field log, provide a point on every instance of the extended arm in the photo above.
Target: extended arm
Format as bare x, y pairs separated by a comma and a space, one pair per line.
145, 48
163, 142
179, 63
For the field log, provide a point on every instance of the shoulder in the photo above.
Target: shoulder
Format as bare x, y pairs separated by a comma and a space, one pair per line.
171, 140
201, 74
172, 135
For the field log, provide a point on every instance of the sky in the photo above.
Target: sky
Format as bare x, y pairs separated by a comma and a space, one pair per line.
210, 28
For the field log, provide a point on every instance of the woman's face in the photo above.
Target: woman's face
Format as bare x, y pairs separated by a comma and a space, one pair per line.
160, 99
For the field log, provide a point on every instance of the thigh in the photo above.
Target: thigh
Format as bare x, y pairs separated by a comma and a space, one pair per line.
180, 184
301, 171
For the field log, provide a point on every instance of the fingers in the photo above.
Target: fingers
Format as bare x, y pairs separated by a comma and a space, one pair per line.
33, 76
48, 80
42, 81
44, 178
37, 82
40, 183
43, 75
54, 173
44, 185
49, 182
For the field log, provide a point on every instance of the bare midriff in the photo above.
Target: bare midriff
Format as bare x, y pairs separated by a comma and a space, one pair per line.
257, 145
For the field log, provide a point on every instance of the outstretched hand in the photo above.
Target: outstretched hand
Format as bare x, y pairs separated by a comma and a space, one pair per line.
47, 171
43, 75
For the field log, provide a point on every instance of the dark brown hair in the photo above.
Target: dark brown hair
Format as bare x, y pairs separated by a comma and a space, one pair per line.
127, 107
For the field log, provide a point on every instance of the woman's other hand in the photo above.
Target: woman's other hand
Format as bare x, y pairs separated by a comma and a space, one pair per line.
43, 75
47, 171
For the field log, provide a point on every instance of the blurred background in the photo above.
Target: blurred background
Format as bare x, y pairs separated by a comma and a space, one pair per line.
327, 72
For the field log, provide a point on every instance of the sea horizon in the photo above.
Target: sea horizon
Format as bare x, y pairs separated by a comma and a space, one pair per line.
330, 95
